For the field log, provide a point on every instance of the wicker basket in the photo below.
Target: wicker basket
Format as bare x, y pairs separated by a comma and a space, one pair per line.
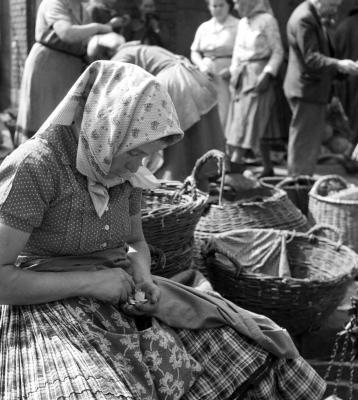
169, 216
297, 188
260, 207
321, 271
342, 214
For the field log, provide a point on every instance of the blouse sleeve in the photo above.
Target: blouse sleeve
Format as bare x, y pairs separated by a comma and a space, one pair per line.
274, 42
196, 45
26, 192
135, 201
57, 10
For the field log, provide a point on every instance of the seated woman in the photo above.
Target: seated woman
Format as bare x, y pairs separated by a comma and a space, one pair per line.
192, 92
73, 253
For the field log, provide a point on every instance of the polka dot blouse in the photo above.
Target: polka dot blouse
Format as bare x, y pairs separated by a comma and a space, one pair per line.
42, 192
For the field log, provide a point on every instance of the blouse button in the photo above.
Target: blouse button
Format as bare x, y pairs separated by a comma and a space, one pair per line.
104, 245
106, 227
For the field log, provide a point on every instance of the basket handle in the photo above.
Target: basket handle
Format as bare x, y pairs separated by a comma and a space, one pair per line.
321, 227
316, 186
293, 179
220, 158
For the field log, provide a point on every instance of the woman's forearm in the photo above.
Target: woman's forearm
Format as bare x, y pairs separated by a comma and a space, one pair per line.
77, 33
20, 287
196, 58
139, 256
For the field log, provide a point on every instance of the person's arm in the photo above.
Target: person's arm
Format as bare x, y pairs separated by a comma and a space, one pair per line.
19, 287
139, 257
196, 55
77, 33
273, 37
308, 44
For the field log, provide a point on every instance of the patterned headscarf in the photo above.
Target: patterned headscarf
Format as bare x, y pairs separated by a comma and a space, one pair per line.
123, 107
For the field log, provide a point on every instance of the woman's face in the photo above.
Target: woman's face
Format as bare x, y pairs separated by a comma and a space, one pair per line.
147, 7
328, 8
243, 7
219, 9
131, 160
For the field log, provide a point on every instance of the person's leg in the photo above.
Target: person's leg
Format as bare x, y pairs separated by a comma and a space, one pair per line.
305, 136
266, 159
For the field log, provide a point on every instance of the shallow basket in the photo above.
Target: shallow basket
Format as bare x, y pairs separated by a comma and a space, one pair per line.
321, 271
297, 188
260, 207
342, 214
169, 216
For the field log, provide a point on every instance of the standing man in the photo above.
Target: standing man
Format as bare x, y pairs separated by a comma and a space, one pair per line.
308, 82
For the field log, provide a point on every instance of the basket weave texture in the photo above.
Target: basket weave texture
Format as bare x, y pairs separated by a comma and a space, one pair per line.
297, 188
169, 216
339, 213
260, 207
320, 272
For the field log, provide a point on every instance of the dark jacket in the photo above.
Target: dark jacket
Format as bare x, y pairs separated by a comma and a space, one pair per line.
311, 66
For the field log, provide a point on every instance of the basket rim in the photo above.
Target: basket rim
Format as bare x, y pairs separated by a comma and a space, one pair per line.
325, 199
302, 235
277, 195
200, 201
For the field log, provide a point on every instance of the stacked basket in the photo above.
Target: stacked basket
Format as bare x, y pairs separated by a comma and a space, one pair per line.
169, 216
320, 273
260, 207
297, 188
339, 213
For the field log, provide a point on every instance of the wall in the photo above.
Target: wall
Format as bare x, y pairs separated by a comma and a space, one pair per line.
5, 57
19, 44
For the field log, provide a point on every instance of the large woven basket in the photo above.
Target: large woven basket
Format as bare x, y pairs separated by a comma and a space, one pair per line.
321, 271
260, 207
297, 188
169, 217
342, 214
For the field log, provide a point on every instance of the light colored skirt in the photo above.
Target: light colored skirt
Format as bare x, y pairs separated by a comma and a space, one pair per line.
88, 350
191, 91
48, 76
250, 112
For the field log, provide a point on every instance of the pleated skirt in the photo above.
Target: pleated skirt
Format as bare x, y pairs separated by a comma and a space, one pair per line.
83, 349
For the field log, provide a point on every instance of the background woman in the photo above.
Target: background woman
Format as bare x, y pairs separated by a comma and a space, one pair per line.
212, 49
256, 60
54, 62
72, 254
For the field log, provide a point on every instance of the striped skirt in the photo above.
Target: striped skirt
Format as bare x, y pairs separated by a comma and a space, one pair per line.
84, 349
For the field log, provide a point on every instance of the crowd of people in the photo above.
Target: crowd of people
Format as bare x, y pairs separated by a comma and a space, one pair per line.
111, 111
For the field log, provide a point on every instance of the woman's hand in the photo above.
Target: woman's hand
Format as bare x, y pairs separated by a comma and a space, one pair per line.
225, 74
113, 285
263, 82
103, 28
152, 293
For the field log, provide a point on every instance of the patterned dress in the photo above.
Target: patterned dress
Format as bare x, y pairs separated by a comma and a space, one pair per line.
85, 349
257, 49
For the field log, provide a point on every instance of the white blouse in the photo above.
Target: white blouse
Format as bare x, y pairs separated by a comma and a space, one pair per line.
258, 38
215, 41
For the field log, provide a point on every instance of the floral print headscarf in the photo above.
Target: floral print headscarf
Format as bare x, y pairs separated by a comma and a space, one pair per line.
123, 107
